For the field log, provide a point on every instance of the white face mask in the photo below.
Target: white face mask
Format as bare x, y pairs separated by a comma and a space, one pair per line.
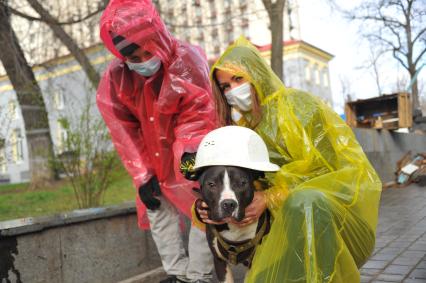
147, 68
240, 97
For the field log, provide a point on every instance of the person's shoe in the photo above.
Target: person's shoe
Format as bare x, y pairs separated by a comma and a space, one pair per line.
172, 279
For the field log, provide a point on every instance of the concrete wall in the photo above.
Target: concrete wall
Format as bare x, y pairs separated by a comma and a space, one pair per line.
94, 245
384, 148
105, 245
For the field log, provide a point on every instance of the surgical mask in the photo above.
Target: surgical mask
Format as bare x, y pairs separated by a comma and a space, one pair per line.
240, 97
147, 68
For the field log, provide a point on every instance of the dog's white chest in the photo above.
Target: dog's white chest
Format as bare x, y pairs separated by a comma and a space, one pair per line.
236, 233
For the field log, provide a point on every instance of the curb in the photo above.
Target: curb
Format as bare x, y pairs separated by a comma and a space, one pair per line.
154, 275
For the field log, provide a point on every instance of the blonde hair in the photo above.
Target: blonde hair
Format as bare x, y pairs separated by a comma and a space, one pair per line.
223, 109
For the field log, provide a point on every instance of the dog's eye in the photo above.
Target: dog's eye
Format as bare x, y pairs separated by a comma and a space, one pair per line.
211, 184
243, 182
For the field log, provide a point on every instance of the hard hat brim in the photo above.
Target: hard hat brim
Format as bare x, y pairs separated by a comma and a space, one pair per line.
259, 166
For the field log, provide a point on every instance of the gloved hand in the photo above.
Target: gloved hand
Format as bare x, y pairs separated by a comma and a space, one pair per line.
199, 208
187, 163
148, 193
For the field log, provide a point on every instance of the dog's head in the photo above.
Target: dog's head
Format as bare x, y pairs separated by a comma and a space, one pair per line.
227, 190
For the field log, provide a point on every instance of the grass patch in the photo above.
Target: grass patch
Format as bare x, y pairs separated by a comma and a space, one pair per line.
13, 187
17, 201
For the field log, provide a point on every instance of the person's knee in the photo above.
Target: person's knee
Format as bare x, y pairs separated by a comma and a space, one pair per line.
301, 200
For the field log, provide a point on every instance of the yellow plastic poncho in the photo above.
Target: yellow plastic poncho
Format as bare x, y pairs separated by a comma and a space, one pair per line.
325, 197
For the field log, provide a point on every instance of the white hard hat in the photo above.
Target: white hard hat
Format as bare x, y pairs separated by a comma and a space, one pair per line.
234, 146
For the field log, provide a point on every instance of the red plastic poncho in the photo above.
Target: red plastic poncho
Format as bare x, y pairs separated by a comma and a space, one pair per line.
154, 120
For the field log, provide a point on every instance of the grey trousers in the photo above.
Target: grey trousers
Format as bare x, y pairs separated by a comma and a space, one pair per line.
198, 264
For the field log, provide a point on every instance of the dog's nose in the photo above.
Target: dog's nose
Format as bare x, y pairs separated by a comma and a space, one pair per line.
229, 205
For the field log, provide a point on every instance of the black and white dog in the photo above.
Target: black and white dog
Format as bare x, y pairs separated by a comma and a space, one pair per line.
228, 190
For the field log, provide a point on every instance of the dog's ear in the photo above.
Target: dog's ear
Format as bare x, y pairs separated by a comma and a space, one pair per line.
193, 176
196, 175
197, 192
257, 174
200, 176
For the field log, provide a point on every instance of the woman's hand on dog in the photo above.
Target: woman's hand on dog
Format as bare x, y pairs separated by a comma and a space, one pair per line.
254, 210
252, 213
202, 208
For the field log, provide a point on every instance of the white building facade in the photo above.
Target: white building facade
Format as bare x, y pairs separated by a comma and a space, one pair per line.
212, 24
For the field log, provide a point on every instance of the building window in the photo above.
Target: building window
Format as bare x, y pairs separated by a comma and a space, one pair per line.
229, 36
244, 22
243, 5
216, 50
325, 78
13, 110
198, 12
308, 76
3, 161
170, 13
58, 100
212, 6
245, 27
17, 146
61, 137
200, 34
317, 76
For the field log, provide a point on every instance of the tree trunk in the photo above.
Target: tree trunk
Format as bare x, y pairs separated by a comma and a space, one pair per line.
68, 41
277, 61
276, 20
415, 93
30, 99
157, 5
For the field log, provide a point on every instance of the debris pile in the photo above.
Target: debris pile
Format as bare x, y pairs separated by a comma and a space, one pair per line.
411, 169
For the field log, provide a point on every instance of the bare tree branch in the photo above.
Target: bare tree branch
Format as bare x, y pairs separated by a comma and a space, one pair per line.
30, 100
227, 20
419, 57
68, 41
395, 55
101, 7
423, 31
395, 24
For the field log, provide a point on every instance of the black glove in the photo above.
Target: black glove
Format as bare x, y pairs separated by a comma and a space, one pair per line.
187, 163
147, 193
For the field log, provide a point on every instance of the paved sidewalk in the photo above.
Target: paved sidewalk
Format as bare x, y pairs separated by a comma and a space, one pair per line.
400, 253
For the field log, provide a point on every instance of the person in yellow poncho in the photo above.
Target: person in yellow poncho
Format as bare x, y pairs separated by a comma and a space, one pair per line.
325, 198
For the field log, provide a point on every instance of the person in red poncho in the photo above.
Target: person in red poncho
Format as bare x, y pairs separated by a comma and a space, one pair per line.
156, 101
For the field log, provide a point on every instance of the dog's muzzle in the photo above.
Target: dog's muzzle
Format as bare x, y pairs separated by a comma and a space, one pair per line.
228, 206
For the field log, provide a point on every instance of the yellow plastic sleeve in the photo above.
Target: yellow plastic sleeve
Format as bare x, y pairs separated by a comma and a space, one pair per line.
195, 221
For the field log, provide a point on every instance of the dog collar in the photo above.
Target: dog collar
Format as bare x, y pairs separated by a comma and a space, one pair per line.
234, 250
